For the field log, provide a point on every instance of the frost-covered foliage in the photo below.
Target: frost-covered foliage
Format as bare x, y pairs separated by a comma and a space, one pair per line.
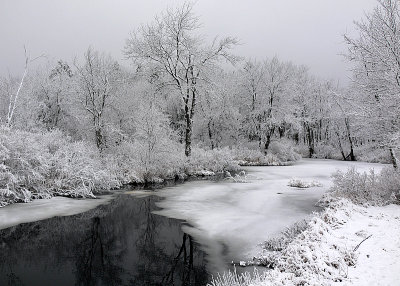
45, 164
326, 151
276, 156
216, 160
283, 150
130, 162
373, 154
233, 279
280, 241
363, 188
299, 183
241, 177
41, 165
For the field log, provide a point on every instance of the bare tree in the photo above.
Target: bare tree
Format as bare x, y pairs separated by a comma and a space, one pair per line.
14, 96
178, 56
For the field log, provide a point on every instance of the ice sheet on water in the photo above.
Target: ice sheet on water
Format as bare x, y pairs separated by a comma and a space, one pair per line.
46, 208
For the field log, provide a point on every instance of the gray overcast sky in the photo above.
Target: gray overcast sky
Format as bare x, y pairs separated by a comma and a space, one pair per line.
307, 32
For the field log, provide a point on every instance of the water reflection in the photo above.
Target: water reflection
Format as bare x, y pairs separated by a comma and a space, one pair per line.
121, 243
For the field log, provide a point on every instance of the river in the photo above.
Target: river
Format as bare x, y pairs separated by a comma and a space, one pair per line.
179, 235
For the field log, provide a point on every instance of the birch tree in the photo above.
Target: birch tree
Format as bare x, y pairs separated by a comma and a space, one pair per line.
14, 95
177, 55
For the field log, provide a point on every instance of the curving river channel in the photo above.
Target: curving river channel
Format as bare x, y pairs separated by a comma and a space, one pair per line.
179, 235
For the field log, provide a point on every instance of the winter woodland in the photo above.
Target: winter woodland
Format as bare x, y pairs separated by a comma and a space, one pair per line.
184, 104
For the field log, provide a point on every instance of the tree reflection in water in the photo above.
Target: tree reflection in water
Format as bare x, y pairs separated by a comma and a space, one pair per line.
122, 243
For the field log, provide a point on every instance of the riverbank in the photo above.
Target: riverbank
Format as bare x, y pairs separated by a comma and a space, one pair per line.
354, 241
46, 164
345, 245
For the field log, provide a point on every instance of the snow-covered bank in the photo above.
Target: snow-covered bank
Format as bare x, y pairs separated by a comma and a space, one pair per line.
378, 257
35, 165
332, 251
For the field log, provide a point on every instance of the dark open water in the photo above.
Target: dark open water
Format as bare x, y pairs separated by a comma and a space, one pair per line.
121, 243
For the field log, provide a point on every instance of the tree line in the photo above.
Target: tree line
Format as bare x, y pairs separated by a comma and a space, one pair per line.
177, 90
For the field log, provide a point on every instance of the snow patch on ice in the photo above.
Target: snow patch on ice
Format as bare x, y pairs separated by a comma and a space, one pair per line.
298, 183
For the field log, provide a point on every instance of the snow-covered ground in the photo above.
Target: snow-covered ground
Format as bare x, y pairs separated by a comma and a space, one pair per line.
378, 257
230, 219
46, 208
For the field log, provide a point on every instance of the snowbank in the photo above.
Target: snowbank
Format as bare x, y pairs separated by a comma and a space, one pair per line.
329, 252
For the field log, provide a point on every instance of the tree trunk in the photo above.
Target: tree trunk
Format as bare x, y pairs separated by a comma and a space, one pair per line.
340, 146
99, 138
210, 135
352, 156
188, 137
310, 139
267, 142
393, 158
188, 132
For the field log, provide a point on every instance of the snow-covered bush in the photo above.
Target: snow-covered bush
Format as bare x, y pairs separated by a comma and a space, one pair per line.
284, 150
231, 278
41, 165
252, 157
280, 241
241, 177
363, 188
78, 171
326, 151
298, 183
132, 163
121, 161
372, 154
216, 160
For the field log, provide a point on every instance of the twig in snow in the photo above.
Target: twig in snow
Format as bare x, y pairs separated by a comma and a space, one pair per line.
361, 242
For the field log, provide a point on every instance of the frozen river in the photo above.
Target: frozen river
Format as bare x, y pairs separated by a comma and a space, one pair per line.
230, 219
148, 238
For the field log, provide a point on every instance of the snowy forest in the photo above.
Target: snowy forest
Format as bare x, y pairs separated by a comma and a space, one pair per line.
183, 104
179, 109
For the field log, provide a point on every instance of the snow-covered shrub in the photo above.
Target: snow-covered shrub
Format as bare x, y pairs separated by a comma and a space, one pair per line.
280, 241
363, 188
79, 172
241, 177
389, 184
41, 165
132, 163
231, 278
326, 151
315, 256
284, 150
122, 162
298, 183
216, 160
372, 154
251, 157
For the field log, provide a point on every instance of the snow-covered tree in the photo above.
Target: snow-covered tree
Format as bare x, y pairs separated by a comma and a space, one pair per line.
98, 78
176, 55
376, 53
